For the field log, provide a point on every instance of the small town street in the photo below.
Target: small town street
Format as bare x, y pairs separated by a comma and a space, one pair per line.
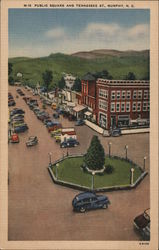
40, 210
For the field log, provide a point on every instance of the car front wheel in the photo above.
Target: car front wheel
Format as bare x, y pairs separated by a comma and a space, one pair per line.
82, 209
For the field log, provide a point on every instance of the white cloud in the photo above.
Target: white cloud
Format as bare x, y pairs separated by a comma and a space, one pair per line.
55, 33
140, 29
93, 36
101, 29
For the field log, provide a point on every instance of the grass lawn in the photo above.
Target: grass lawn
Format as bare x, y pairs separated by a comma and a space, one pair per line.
70, 170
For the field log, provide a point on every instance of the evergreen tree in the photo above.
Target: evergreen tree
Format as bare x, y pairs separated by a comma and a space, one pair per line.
95, 157
61, 83
47, 78
77, 85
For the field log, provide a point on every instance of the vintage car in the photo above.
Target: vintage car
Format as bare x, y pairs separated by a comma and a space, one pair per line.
57, 137
142, 224
20, 129
88, 201
14, 138
55, 132
79, 123
69, 143
32, 140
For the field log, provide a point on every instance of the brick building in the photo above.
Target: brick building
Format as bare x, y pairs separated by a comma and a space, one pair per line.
116, 103
88, 92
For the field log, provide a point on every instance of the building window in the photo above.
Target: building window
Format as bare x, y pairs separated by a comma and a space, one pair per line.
139, 106
103, 105
134, 94
128, 94
139, 94
145, 94
134, 106
144, 107
123, 94
123, 107
112, 107
118, 95
103, 93
118, 107
113, 95
148, 106
128, 107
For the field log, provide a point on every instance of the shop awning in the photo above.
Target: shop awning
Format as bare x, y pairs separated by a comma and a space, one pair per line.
87, 113
79, 108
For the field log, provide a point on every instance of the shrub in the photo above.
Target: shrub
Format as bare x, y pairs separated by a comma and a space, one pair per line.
109, 169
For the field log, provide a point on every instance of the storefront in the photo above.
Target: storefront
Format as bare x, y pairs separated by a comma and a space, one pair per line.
102, 120
79, 111
123, 120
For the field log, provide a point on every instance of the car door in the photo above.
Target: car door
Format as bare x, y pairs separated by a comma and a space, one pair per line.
87, 203
94, 203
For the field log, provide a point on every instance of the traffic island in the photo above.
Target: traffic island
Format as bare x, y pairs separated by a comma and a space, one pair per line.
70, 171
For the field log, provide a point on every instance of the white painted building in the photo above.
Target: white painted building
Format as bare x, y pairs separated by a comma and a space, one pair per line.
69, 80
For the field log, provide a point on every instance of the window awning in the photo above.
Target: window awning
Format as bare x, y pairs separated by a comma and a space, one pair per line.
79, 108
87, 113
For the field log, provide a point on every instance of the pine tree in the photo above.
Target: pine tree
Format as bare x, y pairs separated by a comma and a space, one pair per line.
95, 157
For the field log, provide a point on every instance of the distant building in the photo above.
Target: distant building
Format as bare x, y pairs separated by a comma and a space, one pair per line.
19, 74
116, 103
69, 80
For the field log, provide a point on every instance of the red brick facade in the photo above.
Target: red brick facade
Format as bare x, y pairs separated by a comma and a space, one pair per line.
116, 103
89, 94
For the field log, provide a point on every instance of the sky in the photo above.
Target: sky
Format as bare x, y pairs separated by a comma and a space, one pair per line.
36, 33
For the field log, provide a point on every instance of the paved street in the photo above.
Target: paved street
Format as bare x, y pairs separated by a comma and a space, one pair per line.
40, 210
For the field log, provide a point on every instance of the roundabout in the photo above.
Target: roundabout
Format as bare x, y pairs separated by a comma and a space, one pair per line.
70, 171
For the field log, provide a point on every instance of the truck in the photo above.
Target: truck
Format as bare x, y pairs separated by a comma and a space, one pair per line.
67, 134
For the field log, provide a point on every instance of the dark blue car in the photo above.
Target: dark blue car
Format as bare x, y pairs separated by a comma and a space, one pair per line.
79, 123
69, 143
88, 201
21, 129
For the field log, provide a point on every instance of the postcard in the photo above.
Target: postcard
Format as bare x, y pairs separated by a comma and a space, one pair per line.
79, 137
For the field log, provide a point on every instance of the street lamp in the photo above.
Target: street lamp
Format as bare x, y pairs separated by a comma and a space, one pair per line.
144, 163
67, 151
109, 144
132, 176
56, 170
93, 174
50, 161
126, 151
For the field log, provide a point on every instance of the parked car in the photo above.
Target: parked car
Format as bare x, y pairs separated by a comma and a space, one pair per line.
54, 127
56, 115
69, 143
52, 123
43, 115
16, 111
79, 123
88, 201
59, 111
17, 119
55, 132
142, 224
115, 132
32, 140
17, 116
72, 118
20, 129
19, 125
11, 103
14, 138
57, 137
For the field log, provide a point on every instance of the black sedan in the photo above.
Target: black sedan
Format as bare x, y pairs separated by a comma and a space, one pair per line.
88, 201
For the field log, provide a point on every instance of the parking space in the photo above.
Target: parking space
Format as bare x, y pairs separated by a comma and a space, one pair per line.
41, 210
